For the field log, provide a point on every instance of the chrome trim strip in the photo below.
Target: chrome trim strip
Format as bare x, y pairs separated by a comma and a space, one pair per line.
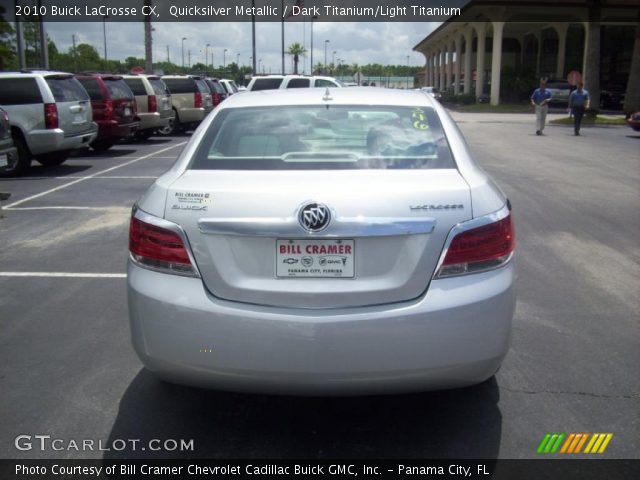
469, 225
339, 228
177, 229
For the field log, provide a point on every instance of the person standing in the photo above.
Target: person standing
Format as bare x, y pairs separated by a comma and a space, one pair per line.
540, 101
579, 101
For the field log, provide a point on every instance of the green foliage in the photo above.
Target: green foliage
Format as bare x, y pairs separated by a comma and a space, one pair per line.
516, 83
7, 42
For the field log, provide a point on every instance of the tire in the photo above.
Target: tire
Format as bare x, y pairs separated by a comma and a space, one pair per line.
21, 162
101, 145
172, 127
52, 159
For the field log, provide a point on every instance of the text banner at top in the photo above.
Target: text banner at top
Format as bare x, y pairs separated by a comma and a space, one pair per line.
233, 10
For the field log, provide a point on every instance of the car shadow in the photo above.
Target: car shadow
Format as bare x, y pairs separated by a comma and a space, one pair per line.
450, 424
40, 171
112, 152
148, 141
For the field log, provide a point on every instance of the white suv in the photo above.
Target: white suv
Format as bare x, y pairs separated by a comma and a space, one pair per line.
274, 82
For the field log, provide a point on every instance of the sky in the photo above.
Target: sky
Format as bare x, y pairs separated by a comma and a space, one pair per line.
362, 43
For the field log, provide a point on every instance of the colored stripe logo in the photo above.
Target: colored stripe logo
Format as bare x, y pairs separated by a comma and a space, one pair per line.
573, 443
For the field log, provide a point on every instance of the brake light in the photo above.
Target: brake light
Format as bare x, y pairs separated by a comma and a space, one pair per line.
479, 249
152, 104
108, 109
159, 248
197, 101
216, 99
50, 116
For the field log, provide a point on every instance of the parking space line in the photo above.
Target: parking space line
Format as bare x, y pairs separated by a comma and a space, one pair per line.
63, 274
60, 187
67, 207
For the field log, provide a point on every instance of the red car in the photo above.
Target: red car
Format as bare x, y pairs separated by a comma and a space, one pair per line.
114, 108
634, 121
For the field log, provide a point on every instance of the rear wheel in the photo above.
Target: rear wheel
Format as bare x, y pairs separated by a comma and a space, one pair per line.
18, 164
101, 145
172, 127
52, 159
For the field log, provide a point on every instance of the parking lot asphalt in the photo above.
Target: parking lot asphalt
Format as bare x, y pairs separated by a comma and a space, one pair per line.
67, 368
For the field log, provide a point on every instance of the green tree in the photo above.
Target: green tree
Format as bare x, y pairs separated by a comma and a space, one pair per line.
296, 51
7, 42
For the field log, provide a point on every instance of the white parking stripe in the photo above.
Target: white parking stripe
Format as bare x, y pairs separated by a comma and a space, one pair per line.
63, 274
60, 187
126, 210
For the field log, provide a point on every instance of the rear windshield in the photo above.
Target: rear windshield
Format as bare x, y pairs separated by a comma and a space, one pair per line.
202, 86
216, 87
118, 89
266, 84
92, 88
67, 89
180, 85
234, 87
324, 138
136, 86
159, 88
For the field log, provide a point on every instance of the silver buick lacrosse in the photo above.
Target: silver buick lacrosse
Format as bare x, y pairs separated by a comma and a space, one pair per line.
323, 242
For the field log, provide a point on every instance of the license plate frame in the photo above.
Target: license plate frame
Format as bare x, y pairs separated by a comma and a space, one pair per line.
331, 258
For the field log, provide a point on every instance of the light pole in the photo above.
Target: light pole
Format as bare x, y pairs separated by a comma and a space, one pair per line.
326, 42
168, 55
104, 34
206, 55
251, 64
259, 63
408, 72
224, 59
238, 60
183, 39
333, 59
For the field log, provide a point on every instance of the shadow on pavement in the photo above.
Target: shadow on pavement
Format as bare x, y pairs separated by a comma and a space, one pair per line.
452, 424
112, 152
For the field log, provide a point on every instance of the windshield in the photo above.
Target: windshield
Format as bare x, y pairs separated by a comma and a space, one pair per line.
324, 137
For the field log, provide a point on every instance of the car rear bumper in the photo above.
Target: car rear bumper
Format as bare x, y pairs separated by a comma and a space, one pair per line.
111, 129
151, 121
191, 115
455, 335
54, 140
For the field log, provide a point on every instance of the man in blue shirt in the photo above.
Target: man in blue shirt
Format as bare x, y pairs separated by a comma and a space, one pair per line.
540, 100
578, 102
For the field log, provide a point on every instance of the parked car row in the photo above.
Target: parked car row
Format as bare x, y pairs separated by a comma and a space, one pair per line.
47, 115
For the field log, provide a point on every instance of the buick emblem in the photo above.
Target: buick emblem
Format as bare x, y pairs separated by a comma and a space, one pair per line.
314, 217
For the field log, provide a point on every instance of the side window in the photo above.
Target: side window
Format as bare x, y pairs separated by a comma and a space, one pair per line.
321, 82
298, 83
92, 88
136, 86
267, 84
19, 91
181, 85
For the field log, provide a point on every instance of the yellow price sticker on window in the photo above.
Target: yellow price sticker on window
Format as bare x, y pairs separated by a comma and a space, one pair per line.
419, 119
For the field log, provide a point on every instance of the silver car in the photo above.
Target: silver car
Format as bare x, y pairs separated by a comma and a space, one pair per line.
323, 242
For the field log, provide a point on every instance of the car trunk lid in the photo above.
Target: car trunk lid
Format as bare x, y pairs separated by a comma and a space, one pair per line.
382, 244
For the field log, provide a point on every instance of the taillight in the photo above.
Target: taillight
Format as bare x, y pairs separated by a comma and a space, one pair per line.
159, 248
50, 115
197, 101
216, 99
152, 104
108, 109
479, 249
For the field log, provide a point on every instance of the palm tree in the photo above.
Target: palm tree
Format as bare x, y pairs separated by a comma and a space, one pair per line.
296, 50
632, 98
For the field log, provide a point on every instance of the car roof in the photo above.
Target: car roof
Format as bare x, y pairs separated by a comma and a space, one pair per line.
339, 96
34, 73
